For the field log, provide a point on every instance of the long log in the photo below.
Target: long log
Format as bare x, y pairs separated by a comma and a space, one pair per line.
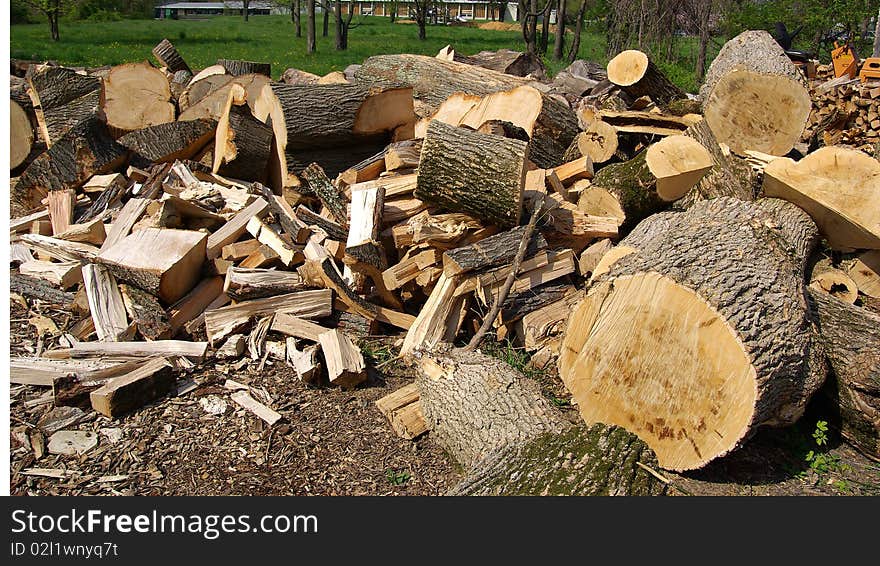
705, 330
168, 142
478, 174
635, 73
498, 426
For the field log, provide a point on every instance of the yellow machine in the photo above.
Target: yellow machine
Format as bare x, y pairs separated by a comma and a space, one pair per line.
870, 70
845, 60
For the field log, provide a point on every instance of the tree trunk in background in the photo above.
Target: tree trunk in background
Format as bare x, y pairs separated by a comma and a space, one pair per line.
705, 10
877, 36
545, 30
310, 26
245, 8
559, 44
530, 27
578, 28
326, 22
53, 26
295, 16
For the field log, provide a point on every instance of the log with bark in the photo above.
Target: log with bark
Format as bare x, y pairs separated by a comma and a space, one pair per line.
515, 63
136, 96
207, 98
499, 427
64, 97
21, 135
242, 143
699, 332
754, 97
478, 174
635, 73
167, 54
598, 142
238, 67
171, 141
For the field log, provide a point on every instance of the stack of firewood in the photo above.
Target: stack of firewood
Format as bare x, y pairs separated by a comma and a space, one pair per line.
219, 214
845, 112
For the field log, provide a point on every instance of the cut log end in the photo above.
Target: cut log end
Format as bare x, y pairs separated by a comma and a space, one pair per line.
678, 163
628, 67
650, 345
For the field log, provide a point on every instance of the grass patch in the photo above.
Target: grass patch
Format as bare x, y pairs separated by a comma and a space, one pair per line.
272, 39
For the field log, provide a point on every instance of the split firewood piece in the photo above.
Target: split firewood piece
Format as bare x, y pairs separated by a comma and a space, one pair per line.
688, 267
664, 172
235, 227
133, 350
432, 325
498, 425
207, 98
754, 97
284, 214
478, 174
330, 124
90, 232
865, 271
398, 210
409, 268
61, 250
559, 264
171, 141
122, 394
444, 231
363, 233
836, 283
839, 188
178, 82
330, 196
60, 205
730, 176
85, 150
237, 67
590, 257
345, 363
262, 257
366, 170
105, 303
518, 305
395, 185
108, 196
125, 221
331, 229
223, 321
21, 135
242, 284
404, 412
256, 341
195, 302
166, 54
494, 250
146, 312
64, 97
23, 223
580, 168
239, 250
32, 288
233, 348
64, 275
305, 361
598, 142
561, 219
544, 326
166, 263
199, 88
242, 143
403, 155
140, 86
850, 335
174, 212
635, 73
19, 254
297, 327
288, 254
652, 123
244, 399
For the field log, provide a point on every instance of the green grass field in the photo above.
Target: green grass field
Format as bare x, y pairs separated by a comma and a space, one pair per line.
271, 39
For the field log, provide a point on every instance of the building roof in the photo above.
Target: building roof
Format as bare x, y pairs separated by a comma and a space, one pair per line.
213, 5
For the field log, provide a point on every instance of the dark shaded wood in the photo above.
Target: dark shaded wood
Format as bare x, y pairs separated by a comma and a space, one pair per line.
166, 54
65, 99
173, 140
333, 230
237, 67
145, 311
327, 192
125, 393
37, 289
490, 252
247, 145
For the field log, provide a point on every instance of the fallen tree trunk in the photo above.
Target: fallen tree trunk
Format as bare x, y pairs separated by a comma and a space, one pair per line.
851, 337
635, 73
238, 67
165, 143
754, 97
705, 330
478, 174
496, 423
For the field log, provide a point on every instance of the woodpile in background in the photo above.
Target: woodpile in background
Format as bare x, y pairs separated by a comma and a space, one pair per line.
600, 221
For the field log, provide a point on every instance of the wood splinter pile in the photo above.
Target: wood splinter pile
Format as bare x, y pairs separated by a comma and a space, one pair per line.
292, 220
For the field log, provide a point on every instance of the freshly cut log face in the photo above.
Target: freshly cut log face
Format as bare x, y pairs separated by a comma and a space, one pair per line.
837, 284
167, 142
598, 141
21, 135
839, 188
637, 75
207, 98
865, 272
754, 98
677, 162
136, 96
701, 334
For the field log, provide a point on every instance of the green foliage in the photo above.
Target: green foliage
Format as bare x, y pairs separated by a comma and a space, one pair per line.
376, 353
517, 358
820, 460
397, 477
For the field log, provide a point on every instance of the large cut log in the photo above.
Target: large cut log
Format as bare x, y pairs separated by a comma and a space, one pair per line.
754, 97
730, 176
700, 332
497, 424
553, 124
166, 54
21, 135
242, 143
207, 98
168, 142
598, 142
635, 73
515, 63
165, 262
838, 187
478, 174
851, 336
238, 67
311, 120
64, 97
84, 151
136, 96
632, 190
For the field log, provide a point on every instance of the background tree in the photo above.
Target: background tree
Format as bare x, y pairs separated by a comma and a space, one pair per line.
310, 26
53, 10
559, 43
296, 16
246, 8
420, 9
343, 24
325, 12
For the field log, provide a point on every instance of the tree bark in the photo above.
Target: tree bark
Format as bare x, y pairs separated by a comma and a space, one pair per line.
578, 30
725, 277
496, 423
296, 16
167, 54
325, 24
65, 98
171, 141
635, 73
242, 145
310, 26
237, 67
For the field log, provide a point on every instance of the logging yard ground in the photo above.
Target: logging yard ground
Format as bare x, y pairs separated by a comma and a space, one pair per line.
336, 442
272, 39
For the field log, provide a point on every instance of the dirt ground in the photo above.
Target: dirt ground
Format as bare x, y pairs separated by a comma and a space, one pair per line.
333, 442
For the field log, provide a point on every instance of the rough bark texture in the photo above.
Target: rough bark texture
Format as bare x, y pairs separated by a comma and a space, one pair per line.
506, 61
851, 337
746, 261
144, 310
633, 185
65, 98
330, 196
492, 251
36, 289
84, 151
474, 173
173, 140
170, 58
251, 144
731, 176
497, 424
237, 67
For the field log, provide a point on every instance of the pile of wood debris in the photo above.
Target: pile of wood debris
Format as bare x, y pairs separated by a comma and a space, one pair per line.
591, 221
845, 112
